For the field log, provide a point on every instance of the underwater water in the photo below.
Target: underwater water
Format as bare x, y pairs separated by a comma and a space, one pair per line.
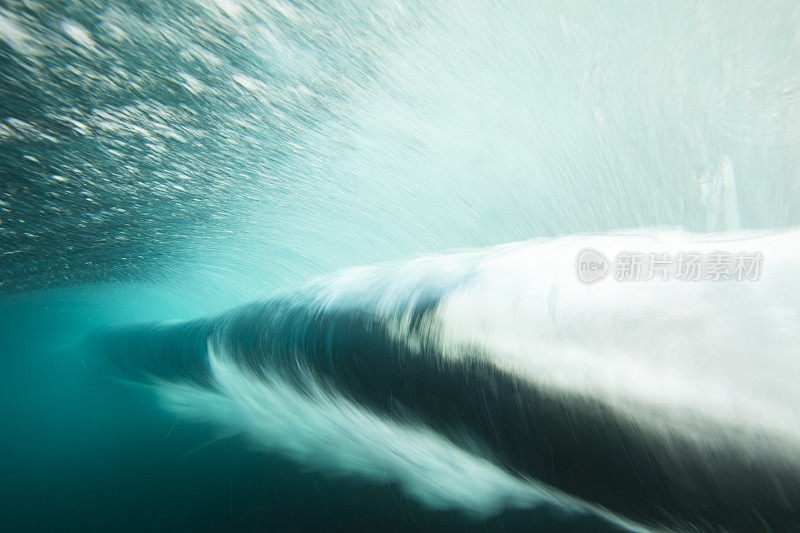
165, 164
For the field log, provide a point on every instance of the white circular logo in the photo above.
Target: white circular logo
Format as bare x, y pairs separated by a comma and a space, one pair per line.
591, 266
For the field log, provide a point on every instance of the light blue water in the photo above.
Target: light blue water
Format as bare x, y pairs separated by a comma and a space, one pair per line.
170, 160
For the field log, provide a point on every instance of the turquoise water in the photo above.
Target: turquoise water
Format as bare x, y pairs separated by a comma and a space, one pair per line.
85, 451
172, 160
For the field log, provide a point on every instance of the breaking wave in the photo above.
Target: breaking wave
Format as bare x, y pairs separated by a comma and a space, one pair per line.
489, 379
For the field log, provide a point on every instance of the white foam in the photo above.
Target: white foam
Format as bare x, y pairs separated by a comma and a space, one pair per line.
78, 33
715, 362
332, 434
16, 36
721, 351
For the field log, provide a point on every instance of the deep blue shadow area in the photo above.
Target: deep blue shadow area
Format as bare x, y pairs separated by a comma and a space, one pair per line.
82, 451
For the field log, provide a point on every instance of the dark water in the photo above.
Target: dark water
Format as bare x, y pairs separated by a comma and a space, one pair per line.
82, 451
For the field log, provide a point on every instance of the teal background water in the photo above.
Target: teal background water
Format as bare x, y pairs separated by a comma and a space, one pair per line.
171, 159
84, 452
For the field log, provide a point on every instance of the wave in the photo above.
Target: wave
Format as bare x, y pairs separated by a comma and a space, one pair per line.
487, 379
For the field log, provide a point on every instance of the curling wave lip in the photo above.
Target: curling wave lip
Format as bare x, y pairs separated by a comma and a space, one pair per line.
496, 378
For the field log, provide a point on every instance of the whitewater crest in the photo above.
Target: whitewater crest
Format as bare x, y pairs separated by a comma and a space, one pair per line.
496, 378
